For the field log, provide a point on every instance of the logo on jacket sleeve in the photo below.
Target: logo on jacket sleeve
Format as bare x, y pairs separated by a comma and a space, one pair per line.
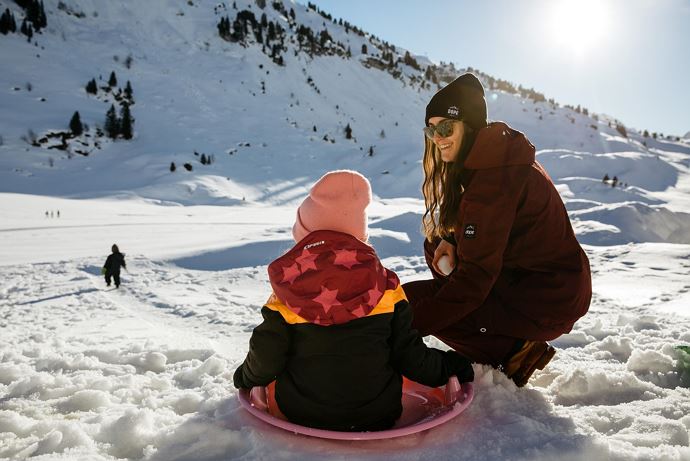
470, 231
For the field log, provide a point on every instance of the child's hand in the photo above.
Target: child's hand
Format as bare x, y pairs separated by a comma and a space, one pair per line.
237, 379
460, 367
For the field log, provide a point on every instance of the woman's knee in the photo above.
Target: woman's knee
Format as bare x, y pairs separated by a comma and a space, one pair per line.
420, 289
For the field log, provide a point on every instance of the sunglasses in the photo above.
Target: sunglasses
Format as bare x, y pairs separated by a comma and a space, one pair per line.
443, 129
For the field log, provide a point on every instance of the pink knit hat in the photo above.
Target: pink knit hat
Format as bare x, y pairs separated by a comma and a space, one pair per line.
337, 202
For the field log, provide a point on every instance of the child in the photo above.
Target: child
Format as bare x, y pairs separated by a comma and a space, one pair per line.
336, 334
112, 265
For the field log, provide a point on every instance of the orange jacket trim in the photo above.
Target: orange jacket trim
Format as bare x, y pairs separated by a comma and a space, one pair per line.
385, 306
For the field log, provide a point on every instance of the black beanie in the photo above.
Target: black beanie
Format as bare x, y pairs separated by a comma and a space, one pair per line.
462, 99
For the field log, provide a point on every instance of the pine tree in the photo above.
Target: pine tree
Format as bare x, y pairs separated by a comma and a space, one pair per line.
75, 124
36, 14
203, 159
42, 20
112, 82
621, 129
33, 13
221, 27
172, 167
126, 122
348, 132
13, 24
6, 22
364, 48
91, 87
128, 91
112, 124
237, 30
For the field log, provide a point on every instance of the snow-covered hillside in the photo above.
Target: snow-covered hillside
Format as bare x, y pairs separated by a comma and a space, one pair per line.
144, 372
270, 129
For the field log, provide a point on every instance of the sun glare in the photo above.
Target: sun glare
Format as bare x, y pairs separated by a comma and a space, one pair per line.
577, 25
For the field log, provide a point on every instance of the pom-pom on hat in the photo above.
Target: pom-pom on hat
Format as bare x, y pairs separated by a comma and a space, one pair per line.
337, 202
462, 99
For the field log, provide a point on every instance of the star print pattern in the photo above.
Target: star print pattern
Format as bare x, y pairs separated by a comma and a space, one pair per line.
374, 295
290, 273
328, 299
307, 261
347, 258
330, 278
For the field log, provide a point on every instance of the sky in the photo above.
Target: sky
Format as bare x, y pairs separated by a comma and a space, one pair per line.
625, 58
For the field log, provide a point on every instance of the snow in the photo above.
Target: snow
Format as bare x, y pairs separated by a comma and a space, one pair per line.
144, 371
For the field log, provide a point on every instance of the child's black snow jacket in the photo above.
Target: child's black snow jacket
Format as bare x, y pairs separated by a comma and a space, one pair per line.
113, 263
337, 336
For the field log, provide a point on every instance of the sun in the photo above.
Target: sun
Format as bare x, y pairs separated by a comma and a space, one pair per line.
577, 26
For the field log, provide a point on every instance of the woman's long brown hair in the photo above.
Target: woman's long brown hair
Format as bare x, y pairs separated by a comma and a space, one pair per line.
442, 187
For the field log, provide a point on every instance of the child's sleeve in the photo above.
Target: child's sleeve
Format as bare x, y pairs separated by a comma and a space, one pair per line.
268, 350
425, 365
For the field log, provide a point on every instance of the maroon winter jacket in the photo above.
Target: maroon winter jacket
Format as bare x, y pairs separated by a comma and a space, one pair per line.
520, 270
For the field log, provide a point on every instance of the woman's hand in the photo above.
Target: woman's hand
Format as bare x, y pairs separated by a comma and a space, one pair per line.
445, 250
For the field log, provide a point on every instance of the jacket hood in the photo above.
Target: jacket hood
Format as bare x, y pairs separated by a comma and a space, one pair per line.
499, 145
330, 278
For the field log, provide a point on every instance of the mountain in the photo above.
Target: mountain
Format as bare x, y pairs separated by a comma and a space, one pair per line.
271, 129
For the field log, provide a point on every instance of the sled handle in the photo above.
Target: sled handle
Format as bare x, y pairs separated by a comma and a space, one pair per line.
453, 390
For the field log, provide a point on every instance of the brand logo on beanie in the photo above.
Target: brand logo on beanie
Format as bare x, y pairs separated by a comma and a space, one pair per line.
453, 111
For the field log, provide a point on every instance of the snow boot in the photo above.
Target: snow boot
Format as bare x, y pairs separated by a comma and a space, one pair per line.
530, 356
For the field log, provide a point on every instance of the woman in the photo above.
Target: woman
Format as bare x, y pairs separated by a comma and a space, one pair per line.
520, 277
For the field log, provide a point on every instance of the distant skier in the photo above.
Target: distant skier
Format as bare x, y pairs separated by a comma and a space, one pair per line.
606, 178
111, 268
614, 182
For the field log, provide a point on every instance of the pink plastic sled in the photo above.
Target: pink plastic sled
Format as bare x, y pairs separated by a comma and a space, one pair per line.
423, 408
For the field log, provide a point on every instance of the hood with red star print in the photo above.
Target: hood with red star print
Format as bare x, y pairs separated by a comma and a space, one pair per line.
330, 278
